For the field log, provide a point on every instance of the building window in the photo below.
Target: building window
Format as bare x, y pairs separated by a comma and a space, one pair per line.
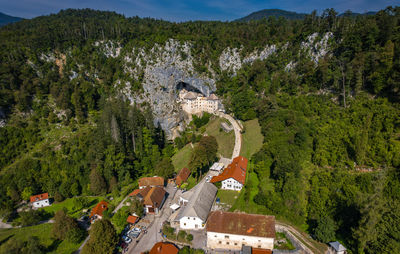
215, 236
259, 246
227, 237
235, 244
227, 243
184, 224
219, 242
259, 241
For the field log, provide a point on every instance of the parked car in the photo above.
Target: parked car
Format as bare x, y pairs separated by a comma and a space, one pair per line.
133, 233
208, 179
126, 239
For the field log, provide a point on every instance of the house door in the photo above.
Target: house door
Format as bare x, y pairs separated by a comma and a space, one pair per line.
151, 209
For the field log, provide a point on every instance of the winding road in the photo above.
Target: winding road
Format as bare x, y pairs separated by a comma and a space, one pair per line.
238, 136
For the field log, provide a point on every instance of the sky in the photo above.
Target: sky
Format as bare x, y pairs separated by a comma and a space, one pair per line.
184, 10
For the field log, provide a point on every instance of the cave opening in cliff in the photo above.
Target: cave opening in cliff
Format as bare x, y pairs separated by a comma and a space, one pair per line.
182, 85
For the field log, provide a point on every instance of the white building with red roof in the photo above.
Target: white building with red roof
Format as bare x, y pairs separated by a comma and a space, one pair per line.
40, 200
231, 231
234, 176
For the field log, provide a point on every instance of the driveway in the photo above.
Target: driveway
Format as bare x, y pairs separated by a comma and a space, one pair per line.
146, 241
238, 135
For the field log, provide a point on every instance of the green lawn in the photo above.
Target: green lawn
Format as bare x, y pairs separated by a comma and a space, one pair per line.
248, 205
69, 205
252, 139
182, 158
227, 197
43, 232
226, 141
190, 183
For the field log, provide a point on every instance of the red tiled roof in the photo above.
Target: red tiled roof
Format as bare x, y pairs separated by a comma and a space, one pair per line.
135, 192
241, 224
260, 251
99, 208
151, 181
132, 219
143, 192
182, 176
236, 170
164, 248
39, 197
154, 197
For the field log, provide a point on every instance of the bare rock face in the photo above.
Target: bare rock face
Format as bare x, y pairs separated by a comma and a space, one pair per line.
316, 49
231, 61
166, 69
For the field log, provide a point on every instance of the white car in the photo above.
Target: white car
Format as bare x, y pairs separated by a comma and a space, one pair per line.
208, 179
136, 230
126, 239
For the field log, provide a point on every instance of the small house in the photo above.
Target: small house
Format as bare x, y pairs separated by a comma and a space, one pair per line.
234, 176
152, 198
98, 210
337, 248
40, 200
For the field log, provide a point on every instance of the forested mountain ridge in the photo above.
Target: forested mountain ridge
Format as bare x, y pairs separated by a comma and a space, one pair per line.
6, 19
272, 13
325, 90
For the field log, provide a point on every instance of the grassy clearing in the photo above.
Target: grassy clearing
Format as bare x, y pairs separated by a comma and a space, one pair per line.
190, 183
43, 232
226, 141
245, 201
252, 139
227, 197
182, 158
69, 205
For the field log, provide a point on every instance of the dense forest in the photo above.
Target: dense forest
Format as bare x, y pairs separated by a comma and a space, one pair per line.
331, 155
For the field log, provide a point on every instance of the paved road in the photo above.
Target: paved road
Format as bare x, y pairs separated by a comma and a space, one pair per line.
305, 243
238, 135
153, 236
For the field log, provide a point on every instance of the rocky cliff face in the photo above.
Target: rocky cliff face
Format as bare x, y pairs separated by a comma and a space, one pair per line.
165, 69
231, 61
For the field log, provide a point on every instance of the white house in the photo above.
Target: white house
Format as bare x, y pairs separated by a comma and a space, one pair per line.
195, 206
195, 102
40, 200
234, 176
231, 231
337, 248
